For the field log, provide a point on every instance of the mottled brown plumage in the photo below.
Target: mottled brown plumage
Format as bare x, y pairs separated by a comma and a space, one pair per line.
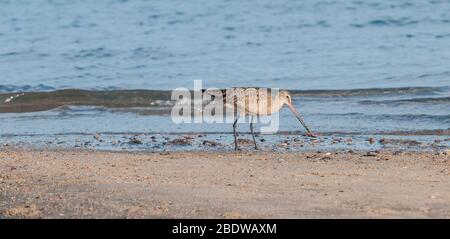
254, 102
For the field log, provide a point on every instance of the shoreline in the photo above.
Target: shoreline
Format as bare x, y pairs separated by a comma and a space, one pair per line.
224, 142
93, 184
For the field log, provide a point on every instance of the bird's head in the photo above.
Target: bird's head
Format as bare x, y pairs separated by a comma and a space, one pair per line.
285, 98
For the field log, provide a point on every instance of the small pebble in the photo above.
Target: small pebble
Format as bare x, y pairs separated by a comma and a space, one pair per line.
135, 141
210, 143
98, 137
371, 154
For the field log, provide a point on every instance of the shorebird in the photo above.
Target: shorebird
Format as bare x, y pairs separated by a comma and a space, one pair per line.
255, 102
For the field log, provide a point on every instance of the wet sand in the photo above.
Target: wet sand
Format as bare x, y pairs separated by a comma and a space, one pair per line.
93, 184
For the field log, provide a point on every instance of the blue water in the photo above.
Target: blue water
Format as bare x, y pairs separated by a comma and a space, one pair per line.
309, 44
373, 49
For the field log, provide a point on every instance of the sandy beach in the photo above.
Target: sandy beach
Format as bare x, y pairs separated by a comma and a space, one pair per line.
93, 184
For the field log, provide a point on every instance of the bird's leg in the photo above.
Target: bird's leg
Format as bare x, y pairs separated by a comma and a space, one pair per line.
235, 133
253, 134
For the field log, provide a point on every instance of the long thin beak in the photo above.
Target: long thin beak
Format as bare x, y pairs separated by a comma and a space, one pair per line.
297, 115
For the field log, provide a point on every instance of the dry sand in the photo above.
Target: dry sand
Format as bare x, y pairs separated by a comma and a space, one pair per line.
89, 184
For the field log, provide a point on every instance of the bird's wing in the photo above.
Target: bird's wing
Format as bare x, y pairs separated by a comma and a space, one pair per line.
214, 93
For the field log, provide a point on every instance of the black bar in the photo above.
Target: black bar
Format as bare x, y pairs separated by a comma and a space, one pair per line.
222, 228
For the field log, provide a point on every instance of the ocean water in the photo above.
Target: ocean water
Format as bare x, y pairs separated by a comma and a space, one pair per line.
354, 67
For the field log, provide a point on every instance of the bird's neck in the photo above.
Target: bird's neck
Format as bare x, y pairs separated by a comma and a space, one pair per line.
276, 105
